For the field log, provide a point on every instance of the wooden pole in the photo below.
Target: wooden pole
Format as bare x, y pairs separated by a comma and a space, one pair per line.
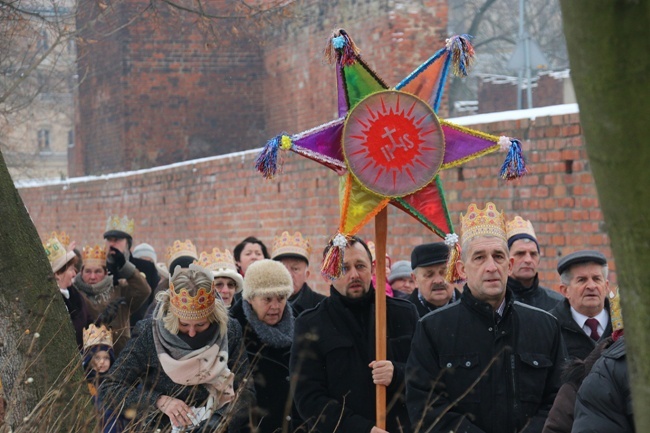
381, 229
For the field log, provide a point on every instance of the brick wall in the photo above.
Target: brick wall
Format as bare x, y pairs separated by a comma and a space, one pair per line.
217, 202
161, 90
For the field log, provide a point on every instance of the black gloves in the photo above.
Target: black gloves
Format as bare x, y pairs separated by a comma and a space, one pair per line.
115, 260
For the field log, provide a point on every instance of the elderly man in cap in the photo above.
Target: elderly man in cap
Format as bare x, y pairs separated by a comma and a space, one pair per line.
485, 364
293, 252
119, 241
584, 314
524, 259
429, 264
333, 353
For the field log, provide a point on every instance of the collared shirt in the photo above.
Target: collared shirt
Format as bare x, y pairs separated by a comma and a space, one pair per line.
65, 293
580, 319
428, 305
499, 311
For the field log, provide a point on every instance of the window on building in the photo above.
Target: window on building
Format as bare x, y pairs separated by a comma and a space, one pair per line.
71, 138
44, 140
43, 41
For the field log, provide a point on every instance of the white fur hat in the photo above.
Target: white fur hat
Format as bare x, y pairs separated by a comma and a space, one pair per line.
267, 278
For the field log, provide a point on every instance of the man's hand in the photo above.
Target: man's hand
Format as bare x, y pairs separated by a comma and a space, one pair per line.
382, 372
115, 260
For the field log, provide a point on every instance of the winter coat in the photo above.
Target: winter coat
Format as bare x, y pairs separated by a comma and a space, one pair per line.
136, 380
151, 275
604, 401
330, 355
560, 417
535, 295
270, 372
424, 307
577, 343
516, 361
305, 299
79, 315
135, 290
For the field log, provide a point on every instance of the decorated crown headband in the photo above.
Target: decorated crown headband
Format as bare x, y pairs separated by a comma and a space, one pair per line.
482, 222
520, 226
217, 260
180, 249
188, 307
54, 250
291, 244
123, 224
63, 237
94, 256
95, 335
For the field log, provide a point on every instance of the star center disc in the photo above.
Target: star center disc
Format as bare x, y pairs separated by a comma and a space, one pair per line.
393, 143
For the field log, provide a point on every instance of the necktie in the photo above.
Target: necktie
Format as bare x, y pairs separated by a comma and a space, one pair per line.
593, 325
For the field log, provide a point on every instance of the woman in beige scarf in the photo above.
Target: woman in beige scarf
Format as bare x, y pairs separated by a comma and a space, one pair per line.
180, 357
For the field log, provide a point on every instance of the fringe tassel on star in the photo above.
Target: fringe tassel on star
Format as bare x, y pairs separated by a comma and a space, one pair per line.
341, 48
267, 161
462, 54
514, 166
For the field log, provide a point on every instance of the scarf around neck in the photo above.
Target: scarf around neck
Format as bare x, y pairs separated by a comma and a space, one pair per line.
99, 293
276, 336
185, 366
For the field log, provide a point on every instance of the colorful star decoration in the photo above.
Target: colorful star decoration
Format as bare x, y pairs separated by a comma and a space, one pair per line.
388, 145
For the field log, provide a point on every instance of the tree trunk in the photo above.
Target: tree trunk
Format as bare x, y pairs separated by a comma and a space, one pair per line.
608, 43
40, 374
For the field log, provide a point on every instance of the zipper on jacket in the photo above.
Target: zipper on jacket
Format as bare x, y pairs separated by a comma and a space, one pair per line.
514, 382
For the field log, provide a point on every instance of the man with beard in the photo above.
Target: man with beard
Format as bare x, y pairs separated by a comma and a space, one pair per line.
333, 353
524, 258
485, 364
118, 235
429, 263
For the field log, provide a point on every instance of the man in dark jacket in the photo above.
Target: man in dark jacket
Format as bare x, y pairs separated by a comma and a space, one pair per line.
118, 234
524, 257
485, 364
293, 252
604, 402
333, 353
584, 314
429, 264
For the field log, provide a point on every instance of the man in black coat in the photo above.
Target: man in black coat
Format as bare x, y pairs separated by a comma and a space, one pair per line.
118, 235
524, 257
584, 314
333, 353
293, 252
485, 364
429, 264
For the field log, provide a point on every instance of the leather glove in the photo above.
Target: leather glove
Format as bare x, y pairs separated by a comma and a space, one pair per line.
115, 260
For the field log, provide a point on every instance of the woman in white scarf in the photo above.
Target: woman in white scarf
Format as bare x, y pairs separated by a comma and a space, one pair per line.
180, 357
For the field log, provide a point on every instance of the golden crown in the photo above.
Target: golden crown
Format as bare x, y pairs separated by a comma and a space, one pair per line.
94, 256
55, 251
615, 310
519, 226
94, 335
179, 249
216, 260
188, 307
123, 224
482, 222
291, 244
63, 237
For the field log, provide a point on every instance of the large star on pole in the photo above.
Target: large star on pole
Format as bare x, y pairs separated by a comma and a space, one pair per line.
388, 145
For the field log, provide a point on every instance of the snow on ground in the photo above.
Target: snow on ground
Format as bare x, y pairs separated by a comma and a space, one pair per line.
477, 119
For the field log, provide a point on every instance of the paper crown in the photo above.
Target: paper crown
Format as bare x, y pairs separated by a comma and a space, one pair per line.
520, 226
482, 222
57, 254
63, 237
180, 249
615, 310
124, 224
188, 307
287, 245
94, 335
94, 256
216, 260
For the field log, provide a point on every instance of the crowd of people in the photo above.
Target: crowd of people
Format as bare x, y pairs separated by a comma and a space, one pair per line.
240, 342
